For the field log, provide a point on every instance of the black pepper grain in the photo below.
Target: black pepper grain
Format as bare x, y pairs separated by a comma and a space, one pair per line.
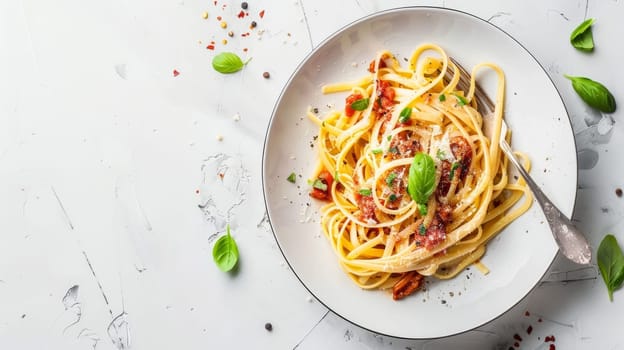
253, 24
268, 326
244, 5
266, 75
618, 192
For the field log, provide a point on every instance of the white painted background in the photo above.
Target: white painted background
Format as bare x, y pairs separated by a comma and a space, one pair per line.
102, 150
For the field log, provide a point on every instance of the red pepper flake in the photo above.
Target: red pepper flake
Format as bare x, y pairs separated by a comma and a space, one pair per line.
197, 191
552, 347
262, 14
175, 73
245, 50
221, 175
223, 6
516, 345
539, 320
527, 313
529, 329
241, 14
550, 338
210, 47
219, 18
215, 3
517, 337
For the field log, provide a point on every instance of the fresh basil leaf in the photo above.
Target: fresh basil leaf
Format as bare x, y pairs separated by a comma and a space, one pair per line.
405, 115
593, 93
292, 178
442, 98
365, 192
390, 179
461, 100
225, 252
422, 230
360, 104
422, 208
453, 168
440, 154
320, 185
227, 62
611, 263
421, 181
582, 38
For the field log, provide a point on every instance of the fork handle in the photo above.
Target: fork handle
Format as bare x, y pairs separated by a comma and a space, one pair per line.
570, 239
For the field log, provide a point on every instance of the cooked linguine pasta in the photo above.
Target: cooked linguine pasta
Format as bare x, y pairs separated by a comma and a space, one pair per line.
412, 173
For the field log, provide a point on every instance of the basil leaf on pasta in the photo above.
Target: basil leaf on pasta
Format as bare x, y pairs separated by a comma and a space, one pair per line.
421, 181
360, 104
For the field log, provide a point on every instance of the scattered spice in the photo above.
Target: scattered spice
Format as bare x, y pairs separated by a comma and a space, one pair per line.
210, 47
223, 24
529, 329
261, 14
241, 14
244, 5
219, 137
224, 41
618, 192
197, 191
266, 75
245, 49
205, 15
517, 337
550, 338
230, 33
175, 73
253, 24
268, 326
219, 18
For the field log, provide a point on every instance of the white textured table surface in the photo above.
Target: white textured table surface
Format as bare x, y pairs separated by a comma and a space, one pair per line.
105, 156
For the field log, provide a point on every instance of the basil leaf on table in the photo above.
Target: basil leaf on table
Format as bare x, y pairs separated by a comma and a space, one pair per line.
582, 38
227, 62
611, 263
421, 180
360, 104
225, 252
593, 93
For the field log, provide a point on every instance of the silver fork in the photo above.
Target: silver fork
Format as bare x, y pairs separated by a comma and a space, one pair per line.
571, 241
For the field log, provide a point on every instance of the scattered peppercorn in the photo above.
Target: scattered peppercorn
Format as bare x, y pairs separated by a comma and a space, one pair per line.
244, 5
223, 24
268, 326
205, 15
266, 75
315, 110
230, 33
253, 24
618, 192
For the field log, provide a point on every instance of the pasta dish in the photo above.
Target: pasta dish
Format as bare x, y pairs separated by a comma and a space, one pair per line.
413, 178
